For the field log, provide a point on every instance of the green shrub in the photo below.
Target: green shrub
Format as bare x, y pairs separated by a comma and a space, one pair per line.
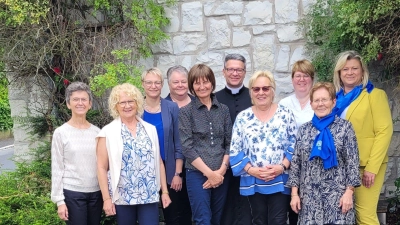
6, 122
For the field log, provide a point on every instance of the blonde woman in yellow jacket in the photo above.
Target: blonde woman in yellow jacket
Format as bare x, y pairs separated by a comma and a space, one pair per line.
367, 109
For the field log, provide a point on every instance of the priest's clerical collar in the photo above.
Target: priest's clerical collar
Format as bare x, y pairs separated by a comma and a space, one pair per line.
234, 90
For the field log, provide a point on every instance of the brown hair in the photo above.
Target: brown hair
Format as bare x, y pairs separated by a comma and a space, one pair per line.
303, 66
200, 71
323, 85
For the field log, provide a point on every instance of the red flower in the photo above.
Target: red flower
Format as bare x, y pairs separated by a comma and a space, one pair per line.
66, 82
379, 57
57, 70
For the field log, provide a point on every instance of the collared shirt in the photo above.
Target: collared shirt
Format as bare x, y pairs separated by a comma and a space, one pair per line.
235, 102
205, 133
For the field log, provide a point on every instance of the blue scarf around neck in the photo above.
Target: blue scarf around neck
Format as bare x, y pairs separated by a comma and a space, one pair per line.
324, 146
343, 101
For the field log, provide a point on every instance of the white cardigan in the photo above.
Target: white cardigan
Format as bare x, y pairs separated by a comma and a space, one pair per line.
114, 144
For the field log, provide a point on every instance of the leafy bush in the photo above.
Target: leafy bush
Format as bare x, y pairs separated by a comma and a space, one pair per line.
6, 122
369, 27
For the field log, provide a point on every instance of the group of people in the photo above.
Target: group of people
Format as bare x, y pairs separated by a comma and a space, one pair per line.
234, 157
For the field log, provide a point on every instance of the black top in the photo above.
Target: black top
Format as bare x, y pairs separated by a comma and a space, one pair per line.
205, 133
235, 102
170, 99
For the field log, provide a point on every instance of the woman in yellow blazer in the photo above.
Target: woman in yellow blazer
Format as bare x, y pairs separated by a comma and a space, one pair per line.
367, 109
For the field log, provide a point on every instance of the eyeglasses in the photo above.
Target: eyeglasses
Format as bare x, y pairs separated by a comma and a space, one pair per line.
149, 83
83, 100
125, 103
176, 82
323, 100
238, 71
264, 89
298, 76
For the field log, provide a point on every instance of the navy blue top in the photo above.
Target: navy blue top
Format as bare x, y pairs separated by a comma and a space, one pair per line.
156, 120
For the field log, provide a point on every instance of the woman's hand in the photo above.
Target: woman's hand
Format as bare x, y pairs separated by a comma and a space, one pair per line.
165, 200
62, 212
214, 180
109, 207
368, 179
346, 201
295, 203
176, 183
272, 172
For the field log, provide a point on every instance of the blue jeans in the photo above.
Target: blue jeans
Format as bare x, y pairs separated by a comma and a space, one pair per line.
207, 204
146, 214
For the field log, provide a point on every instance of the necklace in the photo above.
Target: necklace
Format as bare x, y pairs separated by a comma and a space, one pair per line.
149, 109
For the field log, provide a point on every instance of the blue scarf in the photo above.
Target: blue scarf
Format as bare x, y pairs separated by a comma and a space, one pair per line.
343, 101
324, 146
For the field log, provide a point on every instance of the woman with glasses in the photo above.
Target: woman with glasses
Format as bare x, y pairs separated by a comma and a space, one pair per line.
74, 185
367, 109
299, 102
128, 149
163, 114
262, 146
324, 169
205, 129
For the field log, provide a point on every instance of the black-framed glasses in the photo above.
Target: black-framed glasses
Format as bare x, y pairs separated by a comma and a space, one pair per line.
125, 103
238, 71
264, 89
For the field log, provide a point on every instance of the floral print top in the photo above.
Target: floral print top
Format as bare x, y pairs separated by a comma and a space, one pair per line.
137, 183
262, 144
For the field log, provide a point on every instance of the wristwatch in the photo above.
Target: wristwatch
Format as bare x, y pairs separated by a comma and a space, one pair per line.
178, 174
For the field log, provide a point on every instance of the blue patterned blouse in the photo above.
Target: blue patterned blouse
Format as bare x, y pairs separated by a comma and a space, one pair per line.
261, 144
137, 184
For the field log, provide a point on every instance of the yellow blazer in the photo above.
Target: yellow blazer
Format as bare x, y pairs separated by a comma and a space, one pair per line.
372, 122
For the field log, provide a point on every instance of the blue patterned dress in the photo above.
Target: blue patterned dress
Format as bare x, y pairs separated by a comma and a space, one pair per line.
262, 144
320, 189
137, 183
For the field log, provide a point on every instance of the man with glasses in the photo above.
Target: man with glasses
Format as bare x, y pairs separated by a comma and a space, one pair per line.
236, 96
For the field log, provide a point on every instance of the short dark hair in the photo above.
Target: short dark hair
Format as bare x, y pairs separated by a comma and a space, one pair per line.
77, 86
235, 57
200, 71
323, 85
182, 70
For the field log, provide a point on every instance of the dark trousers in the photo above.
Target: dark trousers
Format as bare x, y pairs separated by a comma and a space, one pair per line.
237, 208
146, 214
269, 209
178, 212
206, 204
293, 217
83, 208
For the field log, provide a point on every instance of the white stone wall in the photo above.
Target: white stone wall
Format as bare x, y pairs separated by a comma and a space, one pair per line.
265, 32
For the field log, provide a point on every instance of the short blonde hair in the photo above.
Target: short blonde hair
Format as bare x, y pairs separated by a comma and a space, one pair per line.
129, 90
154, 71
341, 62
266, 74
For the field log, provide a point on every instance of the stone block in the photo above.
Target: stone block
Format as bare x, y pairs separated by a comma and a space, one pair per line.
264, 52
223, 8
185, 61
188, 43
298, 54
263, 29
394, 147
258, 12
240, 37
390, 190
288, 33
192, 17
164, 62
395, 107
285, 86
282, 62
219, 34
286, 11
211, 59
235, 20
145, 63
307, 5
173, 15
164, 46
18, 108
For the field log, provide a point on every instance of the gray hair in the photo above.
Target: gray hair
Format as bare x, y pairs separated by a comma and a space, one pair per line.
180, 69
77, 86
235, 57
